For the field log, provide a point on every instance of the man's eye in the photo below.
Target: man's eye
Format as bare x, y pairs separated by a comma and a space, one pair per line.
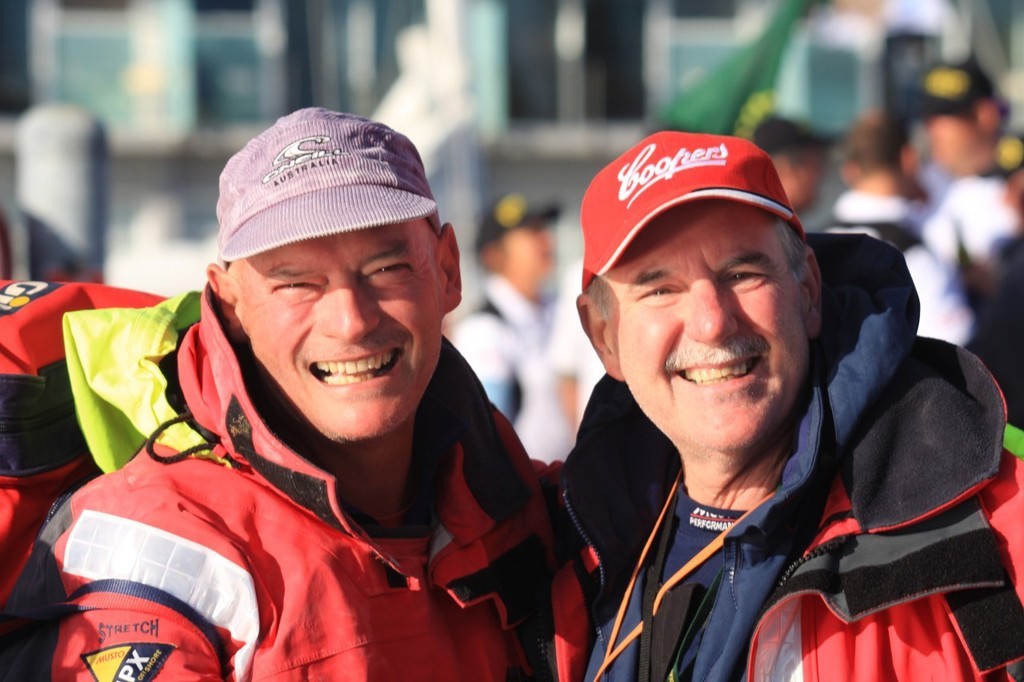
658, 292
294, 287
391, 268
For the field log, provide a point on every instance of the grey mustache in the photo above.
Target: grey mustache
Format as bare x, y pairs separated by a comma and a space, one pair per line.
732, 350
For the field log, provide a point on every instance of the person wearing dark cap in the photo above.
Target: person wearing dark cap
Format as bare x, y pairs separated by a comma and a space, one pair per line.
973, 210
506, 339
778, 479
354, 509
800, 156
963, 117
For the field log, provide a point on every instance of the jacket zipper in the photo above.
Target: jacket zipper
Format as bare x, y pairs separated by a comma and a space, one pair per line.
588, 543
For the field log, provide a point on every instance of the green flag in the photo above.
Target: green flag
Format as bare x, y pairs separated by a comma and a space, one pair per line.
734, 96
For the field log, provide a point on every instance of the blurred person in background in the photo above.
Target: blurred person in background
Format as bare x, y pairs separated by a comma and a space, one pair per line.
973, 210
999, 336
880, 167
999, 339
506, 339
800, 156
573, 359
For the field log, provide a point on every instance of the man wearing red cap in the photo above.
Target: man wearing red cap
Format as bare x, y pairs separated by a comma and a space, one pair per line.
778, 480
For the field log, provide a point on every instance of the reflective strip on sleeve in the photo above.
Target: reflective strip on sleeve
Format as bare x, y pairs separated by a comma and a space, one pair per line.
102, 546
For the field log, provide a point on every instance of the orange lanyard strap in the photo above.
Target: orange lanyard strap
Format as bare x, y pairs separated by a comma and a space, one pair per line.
609, 654
689, 567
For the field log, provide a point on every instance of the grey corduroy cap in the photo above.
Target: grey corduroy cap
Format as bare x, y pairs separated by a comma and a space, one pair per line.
314, 173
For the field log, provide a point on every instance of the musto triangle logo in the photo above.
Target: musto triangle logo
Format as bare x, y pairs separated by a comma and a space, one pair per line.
128, 662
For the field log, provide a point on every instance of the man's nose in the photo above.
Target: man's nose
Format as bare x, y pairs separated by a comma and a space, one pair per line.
348, 313
709, 316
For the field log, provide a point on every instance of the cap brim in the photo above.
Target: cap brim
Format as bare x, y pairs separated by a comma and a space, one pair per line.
550, 212
322, 213
932, 108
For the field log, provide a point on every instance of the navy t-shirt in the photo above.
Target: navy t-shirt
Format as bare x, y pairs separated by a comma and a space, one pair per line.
696, 525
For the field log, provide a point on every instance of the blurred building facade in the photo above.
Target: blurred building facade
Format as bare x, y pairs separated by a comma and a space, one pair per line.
530, 95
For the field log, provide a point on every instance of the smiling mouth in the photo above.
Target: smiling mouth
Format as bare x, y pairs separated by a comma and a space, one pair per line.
354, 371
714, 375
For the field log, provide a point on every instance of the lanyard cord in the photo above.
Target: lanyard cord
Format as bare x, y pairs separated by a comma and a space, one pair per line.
612, 652
651, 585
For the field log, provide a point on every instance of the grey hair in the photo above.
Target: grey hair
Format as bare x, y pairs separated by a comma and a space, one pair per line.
600, 295
793, 248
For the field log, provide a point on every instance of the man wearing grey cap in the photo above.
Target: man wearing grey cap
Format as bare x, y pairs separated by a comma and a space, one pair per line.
349, 505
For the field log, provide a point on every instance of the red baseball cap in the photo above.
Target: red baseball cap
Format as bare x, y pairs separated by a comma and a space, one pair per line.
667, 169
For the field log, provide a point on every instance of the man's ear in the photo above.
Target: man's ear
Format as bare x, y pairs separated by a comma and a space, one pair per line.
811, 295
227, 290
448, 263
601, 333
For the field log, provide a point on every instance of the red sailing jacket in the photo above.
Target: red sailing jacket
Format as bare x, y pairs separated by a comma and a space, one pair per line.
935, 598
200, 571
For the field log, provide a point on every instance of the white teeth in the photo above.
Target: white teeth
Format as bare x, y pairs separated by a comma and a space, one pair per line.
352, 371
708, 375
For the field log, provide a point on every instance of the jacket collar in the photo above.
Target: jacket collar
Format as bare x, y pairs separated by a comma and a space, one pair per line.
930, 440
894, 401
616, 478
